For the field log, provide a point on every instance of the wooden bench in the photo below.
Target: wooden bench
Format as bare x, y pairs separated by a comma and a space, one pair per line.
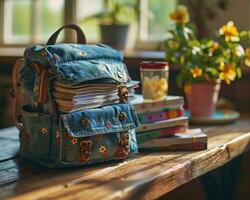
146, 176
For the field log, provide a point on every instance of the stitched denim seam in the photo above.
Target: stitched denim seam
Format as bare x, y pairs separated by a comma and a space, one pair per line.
101, 131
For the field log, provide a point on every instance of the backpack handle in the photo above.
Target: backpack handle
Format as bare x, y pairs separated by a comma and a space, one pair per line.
81, 39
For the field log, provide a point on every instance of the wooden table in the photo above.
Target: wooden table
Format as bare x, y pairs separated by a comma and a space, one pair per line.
147, 176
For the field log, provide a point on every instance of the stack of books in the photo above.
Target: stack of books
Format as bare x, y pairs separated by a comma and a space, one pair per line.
165, 127
71, 98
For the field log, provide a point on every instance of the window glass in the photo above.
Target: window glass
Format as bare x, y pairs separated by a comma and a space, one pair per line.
86, 8
17, 21
87, 18
158, 21
28, 21
50, 17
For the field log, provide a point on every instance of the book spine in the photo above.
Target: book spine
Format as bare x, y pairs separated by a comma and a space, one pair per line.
147, 136
178, 147
179, 121
160, 116
156, 106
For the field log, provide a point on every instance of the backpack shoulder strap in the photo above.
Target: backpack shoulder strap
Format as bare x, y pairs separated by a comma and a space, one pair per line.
43, 85
16, 93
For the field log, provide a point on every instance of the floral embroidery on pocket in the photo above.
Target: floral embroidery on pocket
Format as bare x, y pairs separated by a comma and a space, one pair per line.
108, 124
57, 137
103, 150
99, 137
74, 141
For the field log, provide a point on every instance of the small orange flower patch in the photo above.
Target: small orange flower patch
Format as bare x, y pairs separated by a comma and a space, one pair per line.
74, 141
187, 88
103, 150
57, 137
44, 131
57, 134
214, 47
196, 72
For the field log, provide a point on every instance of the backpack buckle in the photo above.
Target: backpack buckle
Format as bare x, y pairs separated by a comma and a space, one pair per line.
123, 148
123, 94
84, 150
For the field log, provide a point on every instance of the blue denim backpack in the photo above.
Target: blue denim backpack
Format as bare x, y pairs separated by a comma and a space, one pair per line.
57, 139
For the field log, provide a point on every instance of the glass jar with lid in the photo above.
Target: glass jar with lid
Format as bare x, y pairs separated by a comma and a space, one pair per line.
154, 78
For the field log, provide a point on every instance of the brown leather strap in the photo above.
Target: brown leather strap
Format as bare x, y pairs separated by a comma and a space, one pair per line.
81, 39
84, 149
16, 93
123, 148
43, 84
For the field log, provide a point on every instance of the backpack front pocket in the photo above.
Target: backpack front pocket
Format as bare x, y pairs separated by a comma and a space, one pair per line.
35, 135
98, 135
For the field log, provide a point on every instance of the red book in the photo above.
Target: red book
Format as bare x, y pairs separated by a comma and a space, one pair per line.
194, 139
179, 147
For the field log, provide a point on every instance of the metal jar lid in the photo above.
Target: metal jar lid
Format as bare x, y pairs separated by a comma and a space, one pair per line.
154, 65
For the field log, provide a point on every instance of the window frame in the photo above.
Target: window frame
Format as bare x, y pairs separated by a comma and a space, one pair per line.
1, 21
34, 23
70, 16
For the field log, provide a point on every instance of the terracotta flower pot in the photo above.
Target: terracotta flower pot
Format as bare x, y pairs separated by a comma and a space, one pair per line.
202, 98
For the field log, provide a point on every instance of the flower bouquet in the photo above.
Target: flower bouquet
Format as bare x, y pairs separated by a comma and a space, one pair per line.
205, 63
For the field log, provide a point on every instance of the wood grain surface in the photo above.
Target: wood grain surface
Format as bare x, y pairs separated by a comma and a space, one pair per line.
145, 176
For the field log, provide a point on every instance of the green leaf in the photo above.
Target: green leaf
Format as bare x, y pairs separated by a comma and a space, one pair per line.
179, 80
182, 59
243, 33
238, 72
209, 43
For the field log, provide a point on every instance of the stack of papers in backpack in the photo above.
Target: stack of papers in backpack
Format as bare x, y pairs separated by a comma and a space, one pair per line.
89, 95
165, 127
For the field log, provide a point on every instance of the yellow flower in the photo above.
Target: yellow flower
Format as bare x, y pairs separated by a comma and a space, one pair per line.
173, 44
196, 72
214, 47
180, 15
187, 88
230, 32
227, 73
102, 149
247, 60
